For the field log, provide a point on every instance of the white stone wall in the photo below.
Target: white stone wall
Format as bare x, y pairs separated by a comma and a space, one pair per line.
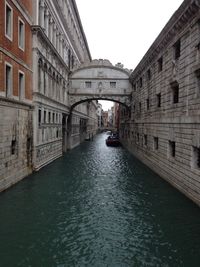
84, 123
59, 46
152, 129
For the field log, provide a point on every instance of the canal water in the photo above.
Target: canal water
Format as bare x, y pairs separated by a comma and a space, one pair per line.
97, 206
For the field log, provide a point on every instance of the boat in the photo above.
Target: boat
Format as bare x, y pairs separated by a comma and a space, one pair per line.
112, 140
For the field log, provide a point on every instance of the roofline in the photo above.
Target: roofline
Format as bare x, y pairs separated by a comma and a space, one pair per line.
100, 66
81, 27
183, 14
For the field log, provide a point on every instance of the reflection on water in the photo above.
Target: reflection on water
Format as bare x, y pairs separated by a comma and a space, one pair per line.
97, 206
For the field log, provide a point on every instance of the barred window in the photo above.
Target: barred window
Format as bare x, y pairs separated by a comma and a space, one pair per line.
155, 141
172, 148
160, 64
177, 49
149, 74
196, 157
158, 97
175, 92
112, 84
88, 84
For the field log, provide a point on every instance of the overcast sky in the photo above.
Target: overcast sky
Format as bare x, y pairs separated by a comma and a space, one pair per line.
122, 31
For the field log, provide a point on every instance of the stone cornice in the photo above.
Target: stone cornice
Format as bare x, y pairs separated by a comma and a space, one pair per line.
39, 98
182, 17
4, 101
66, 27
100, 63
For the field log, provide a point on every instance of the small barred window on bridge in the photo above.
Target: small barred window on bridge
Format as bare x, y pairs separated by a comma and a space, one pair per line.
112, 84
88, 84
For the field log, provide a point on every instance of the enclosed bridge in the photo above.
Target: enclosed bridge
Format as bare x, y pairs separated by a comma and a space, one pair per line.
100, 80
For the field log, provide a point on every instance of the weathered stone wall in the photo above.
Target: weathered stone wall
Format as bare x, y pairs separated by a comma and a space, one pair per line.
163, 128
47, 153
15, 143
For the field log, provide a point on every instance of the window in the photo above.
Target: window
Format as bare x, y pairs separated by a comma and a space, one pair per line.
145, 139
175, 92
39, 117
21, 85
8, 79
155, 142
149, 74
13, 147
21, 34
160, 64
196, 157
158, 98
49, 117
112, 84
137, 138
88, 84
140, 107
172, 148
45, 116
177, 49
8, 21
197, 74
140, 82
147, 103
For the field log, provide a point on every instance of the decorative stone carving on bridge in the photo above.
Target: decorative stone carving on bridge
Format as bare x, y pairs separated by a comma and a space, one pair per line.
99, 79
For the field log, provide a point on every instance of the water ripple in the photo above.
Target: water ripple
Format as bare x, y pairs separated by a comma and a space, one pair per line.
97, 206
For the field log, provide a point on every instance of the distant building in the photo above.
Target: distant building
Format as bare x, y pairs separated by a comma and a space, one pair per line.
99, 114
116, 116
105, 118
110, 118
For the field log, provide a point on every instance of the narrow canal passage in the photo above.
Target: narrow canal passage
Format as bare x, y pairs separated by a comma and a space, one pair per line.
97, 206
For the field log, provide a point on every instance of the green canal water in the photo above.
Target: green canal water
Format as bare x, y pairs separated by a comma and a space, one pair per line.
97, 206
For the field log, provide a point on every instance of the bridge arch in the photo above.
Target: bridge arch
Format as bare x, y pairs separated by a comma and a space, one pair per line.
100, 80
97, 98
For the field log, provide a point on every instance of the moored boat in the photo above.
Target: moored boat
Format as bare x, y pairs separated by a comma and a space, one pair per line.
112, 140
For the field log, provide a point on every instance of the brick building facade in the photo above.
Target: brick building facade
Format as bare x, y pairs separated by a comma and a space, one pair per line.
15, 91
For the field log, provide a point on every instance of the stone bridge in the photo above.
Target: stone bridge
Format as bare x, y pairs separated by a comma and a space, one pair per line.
100, 80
